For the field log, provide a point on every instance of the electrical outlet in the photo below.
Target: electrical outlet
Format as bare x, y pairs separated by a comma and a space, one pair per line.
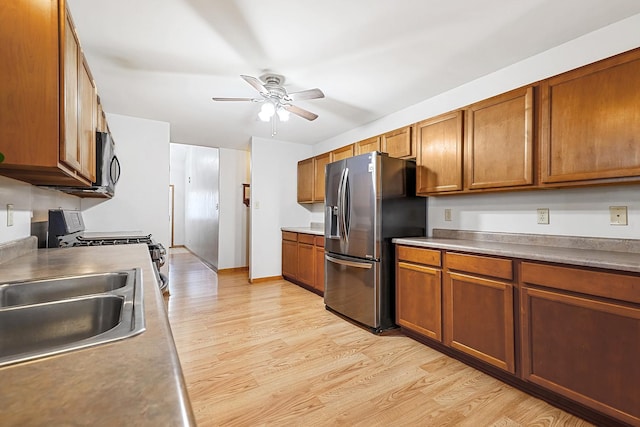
618, 215
9, 214
543, 216
447, 214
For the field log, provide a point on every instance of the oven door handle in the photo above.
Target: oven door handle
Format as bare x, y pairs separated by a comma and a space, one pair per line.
364, 265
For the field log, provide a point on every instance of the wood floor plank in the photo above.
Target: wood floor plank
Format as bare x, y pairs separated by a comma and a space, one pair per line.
270, 354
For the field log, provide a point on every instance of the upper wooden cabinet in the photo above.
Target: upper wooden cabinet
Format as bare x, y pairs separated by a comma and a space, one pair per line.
305, 181
439, 159
319, 163
399, 143
311, 178
368, 145
47, 98
590, 123
343, 152
499, 141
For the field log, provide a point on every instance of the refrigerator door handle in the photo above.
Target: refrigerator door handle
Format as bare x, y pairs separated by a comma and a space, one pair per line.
364, 265
344, 233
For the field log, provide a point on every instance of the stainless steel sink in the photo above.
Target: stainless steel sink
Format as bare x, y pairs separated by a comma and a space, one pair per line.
45, 290
46, 317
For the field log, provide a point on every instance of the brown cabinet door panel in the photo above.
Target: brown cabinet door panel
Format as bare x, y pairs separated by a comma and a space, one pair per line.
439, 160
69, 145
499, 141
319, 164
399, 143
289, 259
590, 122
419, 255
368, 145
306, 261
419, 299
318, 282
343, 152
479, 319
305, 181
584, 349
478, 264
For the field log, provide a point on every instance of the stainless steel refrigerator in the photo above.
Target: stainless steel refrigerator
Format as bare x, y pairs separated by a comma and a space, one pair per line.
369, 200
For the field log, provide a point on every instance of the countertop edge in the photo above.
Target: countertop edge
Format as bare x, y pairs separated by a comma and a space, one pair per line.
304, 230
621, 261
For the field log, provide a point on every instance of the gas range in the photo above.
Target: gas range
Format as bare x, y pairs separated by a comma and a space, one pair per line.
66, 229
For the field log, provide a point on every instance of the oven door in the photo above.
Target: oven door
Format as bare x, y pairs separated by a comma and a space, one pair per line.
351, 288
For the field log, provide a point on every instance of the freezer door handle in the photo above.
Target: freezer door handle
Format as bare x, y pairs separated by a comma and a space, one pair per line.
364, 265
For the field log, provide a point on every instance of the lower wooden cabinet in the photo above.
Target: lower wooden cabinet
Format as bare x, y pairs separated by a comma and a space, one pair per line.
303, 259
569, 334
584, 347
289, 255
318, 282
479, 315
306, 259
419, 291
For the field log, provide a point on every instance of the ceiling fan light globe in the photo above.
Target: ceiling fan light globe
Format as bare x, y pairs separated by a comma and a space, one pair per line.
264, 117
268, 109
283, 114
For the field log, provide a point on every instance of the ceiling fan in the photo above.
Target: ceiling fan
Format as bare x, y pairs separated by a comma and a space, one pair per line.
276, 99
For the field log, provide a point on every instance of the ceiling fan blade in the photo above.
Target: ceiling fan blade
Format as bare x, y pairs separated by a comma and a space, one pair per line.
306, 94
255, 83
301, 112
233, 99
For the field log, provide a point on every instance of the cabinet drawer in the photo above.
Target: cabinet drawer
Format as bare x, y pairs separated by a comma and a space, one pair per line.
305, 238
486, 266
418, 255
288, 235
608, 285
319, 241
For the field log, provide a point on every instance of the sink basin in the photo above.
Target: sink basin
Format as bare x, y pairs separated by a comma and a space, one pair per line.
46, 317
45, 290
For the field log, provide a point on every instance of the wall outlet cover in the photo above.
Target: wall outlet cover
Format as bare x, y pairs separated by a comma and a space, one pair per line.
618, 215
543, 216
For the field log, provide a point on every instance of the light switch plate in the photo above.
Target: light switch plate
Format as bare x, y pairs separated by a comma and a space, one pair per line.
543, 215
447, 214
618, 215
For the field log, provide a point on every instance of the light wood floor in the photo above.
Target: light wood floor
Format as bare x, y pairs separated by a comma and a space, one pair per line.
270, 354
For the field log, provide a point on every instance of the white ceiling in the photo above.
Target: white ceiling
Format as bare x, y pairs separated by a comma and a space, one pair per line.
165, 59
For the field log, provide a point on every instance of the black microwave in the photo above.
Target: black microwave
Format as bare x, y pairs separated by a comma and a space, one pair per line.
107, 170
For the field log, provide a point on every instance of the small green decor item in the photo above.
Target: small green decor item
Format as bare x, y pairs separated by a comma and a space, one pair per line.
1, 157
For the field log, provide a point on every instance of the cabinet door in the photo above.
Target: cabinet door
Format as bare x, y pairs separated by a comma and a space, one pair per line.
583, 348
319, 164
87, 122
499, 141
419, 299
368, 145
289, 255
342, 153
305, 181
318, 282
399, 143
590, 122
439, 161
306, 261
69, 146
479, 318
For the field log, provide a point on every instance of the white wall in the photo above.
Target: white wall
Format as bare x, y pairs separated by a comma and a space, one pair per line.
581, 212
234, 215
274, 168
30, 204
141, 201
202, 203
177, 177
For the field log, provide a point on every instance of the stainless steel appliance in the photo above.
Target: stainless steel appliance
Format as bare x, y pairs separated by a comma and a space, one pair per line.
369, 200
66, 228
107, 170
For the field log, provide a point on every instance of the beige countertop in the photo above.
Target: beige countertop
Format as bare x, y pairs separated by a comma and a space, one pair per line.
135, 381
586, 256
306, 230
